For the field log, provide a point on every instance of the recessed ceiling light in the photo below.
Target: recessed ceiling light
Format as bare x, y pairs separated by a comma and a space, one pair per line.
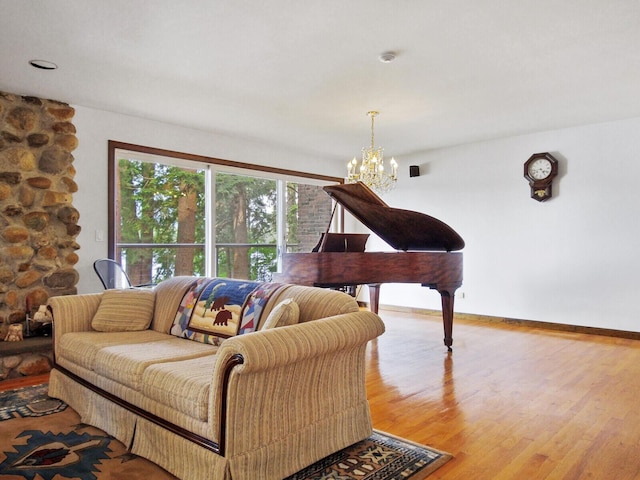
43, 64
387, 57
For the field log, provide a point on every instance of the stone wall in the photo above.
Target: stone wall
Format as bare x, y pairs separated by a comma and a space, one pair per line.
33, 356
38, 223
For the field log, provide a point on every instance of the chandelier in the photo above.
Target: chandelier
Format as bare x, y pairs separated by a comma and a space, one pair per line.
371, 171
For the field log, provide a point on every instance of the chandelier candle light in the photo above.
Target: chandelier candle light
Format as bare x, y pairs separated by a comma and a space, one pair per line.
371, 171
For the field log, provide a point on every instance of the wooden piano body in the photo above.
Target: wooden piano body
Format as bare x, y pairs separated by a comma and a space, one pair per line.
426, 253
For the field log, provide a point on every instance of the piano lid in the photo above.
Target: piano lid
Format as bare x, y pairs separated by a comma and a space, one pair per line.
402, 229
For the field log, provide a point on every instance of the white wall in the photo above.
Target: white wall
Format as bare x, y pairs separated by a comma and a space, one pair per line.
96, 127
569, 260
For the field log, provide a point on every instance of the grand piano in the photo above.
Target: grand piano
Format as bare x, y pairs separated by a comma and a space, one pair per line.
426, 253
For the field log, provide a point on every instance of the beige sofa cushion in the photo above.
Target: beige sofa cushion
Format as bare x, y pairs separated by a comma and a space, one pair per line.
314, 303
81, 348
285, 313
126, 363
184, 385
124, 310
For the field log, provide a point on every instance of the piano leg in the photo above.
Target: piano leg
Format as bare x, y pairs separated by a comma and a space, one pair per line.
374, 297
447, 316
446, 294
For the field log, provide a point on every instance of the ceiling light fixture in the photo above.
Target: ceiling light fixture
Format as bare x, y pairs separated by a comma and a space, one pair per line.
371, 171
43, 64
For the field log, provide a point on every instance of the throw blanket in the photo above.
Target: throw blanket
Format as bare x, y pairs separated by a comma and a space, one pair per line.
214, 309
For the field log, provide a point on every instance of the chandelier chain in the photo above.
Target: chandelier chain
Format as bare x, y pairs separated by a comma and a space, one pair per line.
373, 116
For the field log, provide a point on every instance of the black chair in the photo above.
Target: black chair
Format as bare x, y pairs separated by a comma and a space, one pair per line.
111, 274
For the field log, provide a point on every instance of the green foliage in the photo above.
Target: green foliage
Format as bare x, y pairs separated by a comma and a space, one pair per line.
245, 214
259, 196
292, 213
149, 194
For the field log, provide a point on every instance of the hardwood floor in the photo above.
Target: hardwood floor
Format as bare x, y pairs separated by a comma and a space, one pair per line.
510, 402
23, 382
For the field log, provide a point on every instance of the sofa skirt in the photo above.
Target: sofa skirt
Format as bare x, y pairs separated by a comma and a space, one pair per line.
189, 461
92, 408
180, 457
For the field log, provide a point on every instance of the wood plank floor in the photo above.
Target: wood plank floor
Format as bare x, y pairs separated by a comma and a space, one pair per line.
510, 402
14, 383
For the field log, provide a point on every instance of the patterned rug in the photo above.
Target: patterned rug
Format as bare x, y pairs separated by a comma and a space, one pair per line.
28, 402
43, 439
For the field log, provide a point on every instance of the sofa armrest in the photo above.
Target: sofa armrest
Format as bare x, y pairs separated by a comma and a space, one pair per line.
291, 377
275, 347
73, 313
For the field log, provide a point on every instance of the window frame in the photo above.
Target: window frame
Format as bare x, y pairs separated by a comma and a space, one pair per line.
229, 166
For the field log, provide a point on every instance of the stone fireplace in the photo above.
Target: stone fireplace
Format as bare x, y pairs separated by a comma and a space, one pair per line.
38, 223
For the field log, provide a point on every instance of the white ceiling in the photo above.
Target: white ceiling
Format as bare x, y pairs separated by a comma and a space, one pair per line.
303, 73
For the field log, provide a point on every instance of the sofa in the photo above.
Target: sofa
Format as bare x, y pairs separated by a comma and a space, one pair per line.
216, 378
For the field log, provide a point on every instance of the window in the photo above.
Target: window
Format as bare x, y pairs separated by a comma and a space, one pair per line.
179, 214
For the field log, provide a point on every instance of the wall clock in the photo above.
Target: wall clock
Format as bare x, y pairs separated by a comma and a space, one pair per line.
540, 170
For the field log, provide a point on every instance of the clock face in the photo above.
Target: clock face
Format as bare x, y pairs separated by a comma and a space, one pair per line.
540, 169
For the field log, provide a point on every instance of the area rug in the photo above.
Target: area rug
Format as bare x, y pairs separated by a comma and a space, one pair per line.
43, 439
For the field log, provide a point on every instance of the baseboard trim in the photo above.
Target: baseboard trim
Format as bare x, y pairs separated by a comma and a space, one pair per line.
607, 332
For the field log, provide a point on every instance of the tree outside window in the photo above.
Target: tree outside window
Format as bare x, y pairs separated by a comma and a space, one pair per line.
162, 230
